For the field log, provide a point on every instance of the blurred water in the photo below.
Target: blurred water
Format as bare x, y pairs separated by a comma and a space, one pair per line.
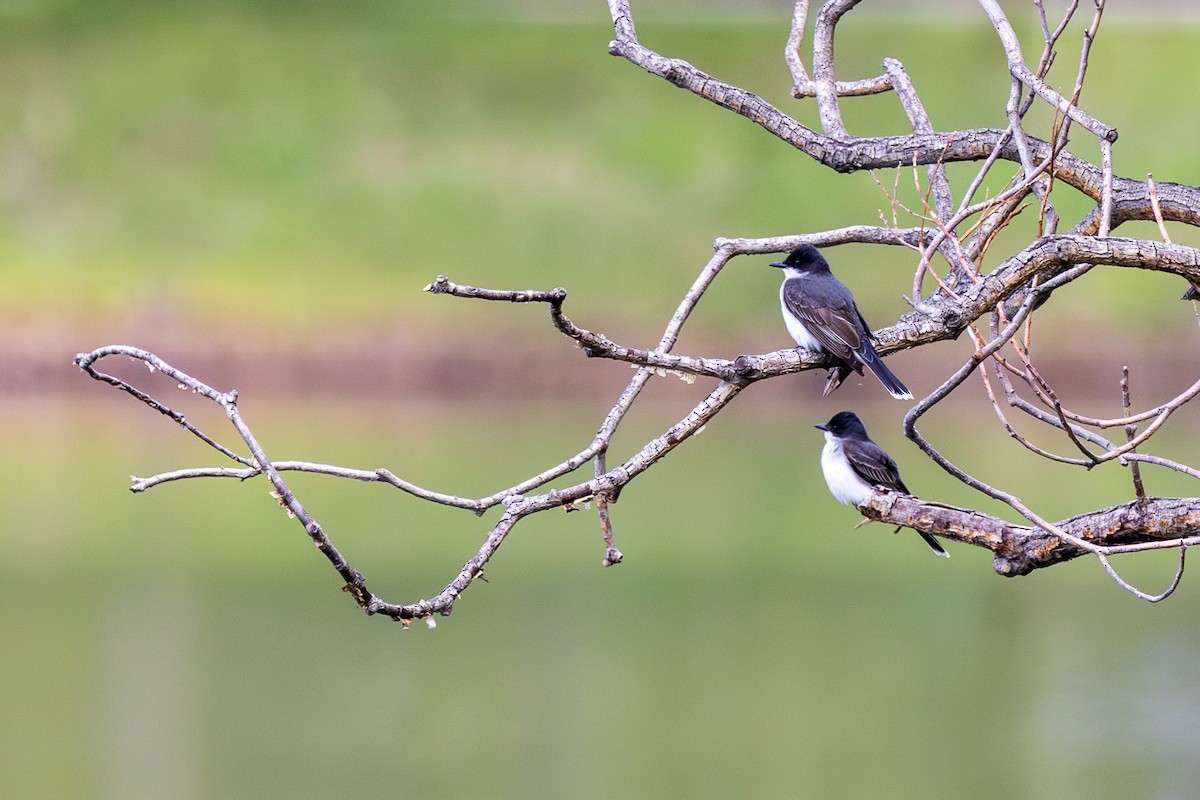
190, 643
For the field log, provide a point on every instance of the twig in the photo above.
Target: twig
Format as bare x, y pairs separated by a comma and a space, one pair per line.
1139, 489
87, 363
824, 82
802, 85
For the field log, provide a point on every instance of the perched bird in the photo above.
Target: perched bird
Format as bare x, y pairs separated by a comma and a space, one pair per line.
820, 314
855, 466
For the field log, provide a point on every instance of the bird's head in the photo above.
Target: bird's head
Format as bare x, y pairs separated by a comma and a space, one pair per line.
844, 424
804, 258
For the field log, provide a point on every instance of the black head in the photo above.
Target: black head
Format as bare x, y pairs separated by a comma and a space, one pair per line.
845, 425
805, 258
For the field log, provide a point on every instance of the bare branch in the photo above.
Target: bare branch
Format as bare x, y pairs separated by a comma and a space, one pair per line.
1167, 522
823, 70
1130, 430
1007, 294
802, 84
87, 363
1016, 65
1130, 200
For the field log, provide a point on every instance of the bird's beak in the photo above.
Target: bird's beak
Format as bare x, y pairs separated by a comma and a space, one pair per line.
777, 264
821, 427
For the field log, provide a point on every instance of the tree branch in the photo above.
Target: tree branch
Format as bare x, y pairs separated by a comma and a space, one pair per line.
1008, 295
1159, 523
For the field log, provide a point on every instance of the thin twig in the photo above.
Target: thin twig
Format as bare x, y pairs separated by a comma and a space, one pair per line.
1139, 489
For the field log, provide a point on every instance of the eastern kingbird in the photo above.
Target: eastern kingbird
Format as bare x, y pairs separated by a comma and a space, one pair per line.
855, 467
820, 314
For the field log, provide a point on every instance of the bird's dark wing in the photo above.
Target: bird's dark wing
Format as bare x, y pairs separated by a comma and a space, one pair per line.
874, 465
835, 323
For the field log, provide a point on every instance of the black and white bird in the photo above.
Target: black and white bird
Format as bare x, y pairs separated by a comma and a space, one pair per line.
855, 466
821, 315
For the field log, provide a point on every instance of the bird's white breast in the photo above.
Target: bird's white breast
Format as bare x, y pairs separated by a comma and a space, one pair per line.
795, 327
843, 482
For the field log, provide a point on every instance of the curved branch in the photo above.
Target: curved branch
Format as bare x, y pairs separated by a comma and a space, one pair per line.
517, 506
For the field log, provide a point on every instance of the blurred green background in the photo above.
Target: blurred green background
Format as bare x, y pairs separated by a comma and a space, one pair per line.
258, 192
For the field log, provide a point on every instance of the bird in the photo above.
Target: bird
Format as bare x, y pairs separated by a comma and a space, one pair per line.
854, 466
821, 315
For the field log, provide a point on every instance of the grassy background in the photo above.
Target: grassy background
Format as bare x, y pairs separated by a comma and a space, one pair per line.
238, 160
281, 180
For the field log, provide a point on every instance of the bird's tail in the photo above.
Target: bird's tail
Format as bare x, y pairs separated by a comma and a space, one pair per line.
890, 382
934, 545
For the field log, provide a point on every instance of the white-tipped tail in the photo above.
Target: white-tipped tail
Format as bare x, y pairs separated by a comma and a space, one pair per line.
934, 545
890, 382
